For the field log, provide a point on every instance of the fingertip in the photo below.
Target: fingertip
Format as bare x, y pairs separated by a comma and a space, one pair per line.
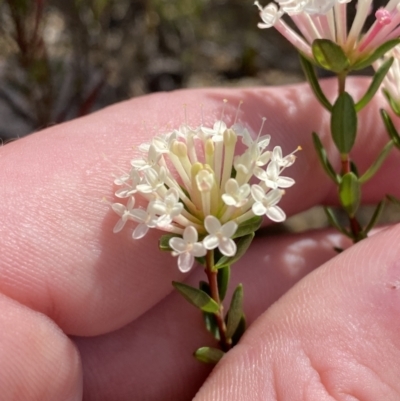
37, 361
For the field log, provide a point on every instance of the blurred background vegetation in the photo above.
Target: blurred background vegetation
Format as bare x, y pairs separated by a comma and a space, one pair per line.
62, 59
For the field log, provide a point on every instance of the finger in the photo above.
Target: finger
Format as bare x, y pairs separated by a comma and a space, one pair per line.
335, 335
151, 359
59, 254
37, 361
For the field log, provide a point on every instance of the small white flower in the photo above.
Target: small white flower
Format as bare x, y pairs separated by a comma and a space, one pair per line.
166, 209
391, 82
125, 212
130, 182
145, 219
269, 14
282, 161
271, 177
265, 203
150, 160
235, 195
187, 248
216, 133
154, 180
220, 235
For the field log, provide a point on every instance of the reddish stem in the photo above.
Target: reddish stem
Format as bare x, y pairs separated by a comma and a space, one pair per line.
225, 343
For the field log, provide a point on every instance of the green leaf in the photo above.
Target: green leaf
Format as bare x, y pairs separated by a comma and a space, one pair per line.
392, 102
378, 53
393, 199
323, 158
334, 222
330, 56
163, 243
242, 244
209, 355
375, 217
375, 84
350, 193
223, 276
197, 297
249, 226
377, 163
353, 168
390, 128
312, 79
344, 123
211, 324
239, 331
235, 312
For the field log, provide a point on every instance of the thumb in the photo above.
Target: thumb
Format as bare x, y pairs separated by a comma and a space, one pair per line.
334, 336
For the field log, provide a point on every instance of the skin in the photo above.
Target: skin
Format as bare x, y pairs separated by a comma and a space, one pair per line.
88, 314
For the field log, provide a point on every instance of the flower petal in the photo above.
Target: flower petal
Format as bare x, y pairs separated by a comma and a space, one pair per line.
140, 231
211, 241
190, 234
212, 224
258, 209
178, 244
275, 213
227, 247
185, 262
229, 228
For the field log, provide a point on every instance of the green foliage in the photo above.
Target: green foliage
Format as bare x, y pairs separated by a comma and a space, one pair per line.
312, 79
378, 53
375, 166
209, 355
375, 84
344, 123
323, 158
163, 242
235, 311
197, 297
390, 128
375, 217
249, 226
350, 193
330, 56
223, 276
242, 245
334, 222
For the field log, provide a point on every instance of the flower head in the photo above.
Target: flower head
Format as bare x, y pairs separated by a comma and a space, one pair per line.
327, 19
391, 82
196, 188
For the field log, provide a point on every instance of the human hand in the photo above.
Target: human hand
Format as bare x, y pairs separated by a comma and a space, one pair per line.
78, 298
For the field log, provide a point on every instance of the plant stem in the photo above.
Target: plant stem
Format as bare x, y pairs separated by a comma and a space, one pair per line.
355, 226
225, 343
342, 82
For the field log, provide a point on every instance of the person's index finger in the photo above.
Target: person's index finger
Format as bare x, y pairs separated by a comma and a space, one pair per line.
59, 254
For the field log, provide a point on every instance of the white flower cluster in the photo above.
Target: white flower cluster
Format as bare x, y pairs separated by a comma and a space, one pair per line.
327, 19
196, 187
391, 82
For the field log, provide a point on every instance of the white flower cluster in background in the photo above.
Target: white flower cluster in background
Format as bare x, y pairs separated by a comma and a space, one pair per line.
327, 19
194, 185
391, 82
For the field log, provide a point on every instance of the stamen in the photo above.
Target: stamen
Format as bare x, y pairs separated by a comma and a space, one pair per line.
383, 18
237, 112
262, 126
223, 111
